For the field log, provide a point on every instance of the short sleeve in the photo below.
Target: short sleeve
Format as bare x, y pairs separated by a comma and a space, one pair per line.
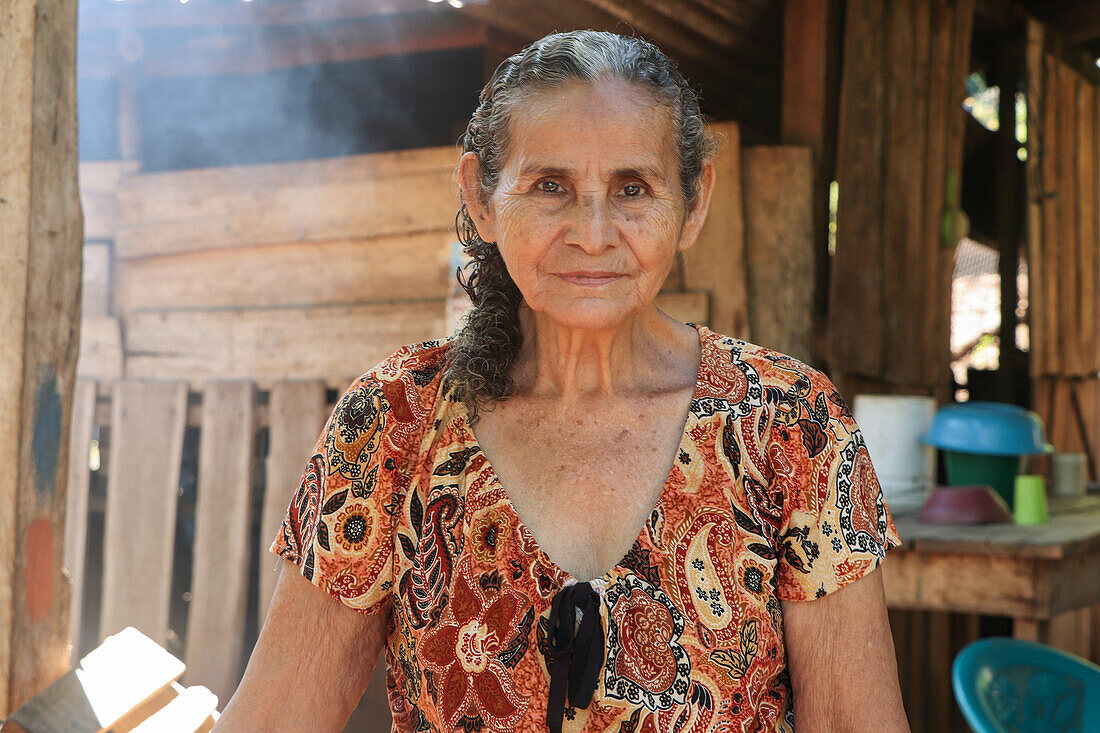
836, 526
338, 526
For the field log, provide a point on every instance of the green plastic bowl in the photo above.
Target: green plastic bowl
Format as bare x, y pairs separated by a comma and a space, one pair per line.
998, 472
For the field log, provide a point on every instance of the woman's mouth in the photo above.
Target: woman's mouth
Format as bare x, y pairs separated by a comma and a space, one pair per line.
590, 278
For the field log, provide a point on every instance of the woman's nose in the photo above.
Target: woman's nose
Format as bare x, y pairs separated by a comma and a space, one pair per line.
591, 226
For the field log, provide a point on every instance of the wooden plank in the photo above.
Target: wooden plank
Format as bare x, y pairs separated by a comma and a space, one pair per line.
40, 239
97, 280
296, 414
989, 584
855, 302
223, 520
1037, 254
342, 198
333, 343
1068, 256
940, 701
937, 345
1088, 194
76, 512
100, 349
1095, 355
398, 267
1052, 248
940, 96
147, 423
1065, 535
779, 247
904, 250
187, 713
689, 307
127, 672
717, 261
917, 703
99, 184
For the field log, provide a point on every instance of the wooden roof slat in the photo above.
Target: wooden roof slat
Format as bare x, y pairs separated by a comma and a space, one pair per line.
137, 14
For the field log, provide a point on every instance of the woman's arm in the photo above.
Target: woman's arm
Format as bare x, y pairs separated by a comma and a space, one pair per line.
310, 665
841, 658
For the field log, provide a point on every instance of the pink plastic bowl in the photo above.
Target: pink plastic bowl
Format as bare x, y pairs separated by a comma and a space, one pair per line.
965, 505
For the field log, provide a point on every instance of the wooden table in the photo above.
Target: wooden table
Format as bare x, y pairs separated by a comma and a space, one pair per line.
1044, 577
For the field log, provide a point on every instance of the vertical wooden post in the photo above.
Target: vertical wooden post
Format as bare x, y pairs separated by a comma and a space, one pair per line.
40, 240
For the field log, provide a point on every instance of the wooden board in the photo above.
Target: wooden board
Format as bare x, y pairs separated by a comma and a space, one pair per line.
100, 349
99, 185
97, 280
904, 249
1088, 195
1069, 284
343, 198
398, 267
1038, 333
1065, 535
940, 93
855, 302
76, 513
779, 247
296, 415
191, 711
690, 307
333, 343
716, 263
147, 423
40, 239
223, 519
127, 672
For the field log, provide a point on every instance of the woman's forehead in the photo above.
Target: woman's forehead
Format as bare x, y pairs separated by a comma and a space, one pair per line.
611, 122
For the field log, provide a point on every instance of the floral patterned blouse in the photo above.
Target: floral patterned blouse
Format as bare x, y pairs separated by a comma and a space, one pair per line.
772, 497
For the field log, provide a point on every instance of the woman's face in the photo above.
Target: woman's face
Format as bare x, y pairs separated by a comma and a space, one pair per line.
588, 213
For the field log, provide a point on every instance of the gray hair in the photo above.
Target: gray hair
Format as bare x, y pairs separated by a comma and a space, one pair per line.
480, 359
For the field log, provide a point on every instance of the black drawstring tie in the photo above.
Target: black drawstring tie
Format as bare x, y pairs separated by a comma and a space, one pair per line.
575, 658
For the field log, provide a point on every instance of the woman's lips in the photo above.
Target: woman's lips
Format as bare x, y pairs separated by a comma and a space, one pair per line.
590, 278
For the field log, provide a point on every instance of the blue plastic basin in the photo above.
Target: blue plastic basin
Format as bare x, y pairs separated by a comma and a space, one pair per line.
987, 428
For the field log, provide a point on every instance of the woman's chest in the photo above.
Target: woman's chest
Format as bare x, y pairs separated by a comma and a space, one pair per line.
583, 484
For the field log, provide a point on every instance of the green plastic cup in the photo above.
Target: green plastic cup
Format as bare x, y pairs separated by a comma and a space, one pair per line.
1030, 506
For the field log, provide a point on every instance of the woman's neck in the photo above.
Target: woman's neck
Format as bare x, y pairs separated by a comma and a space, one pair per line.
643, 354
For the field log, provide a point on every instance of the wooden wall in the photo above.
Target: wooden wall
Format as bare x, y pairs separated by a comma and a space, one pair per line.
899, 147
1063, 242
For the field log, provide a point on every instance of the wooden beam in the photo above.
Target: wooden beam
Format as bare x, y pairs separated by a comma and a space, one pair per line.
716, 263
356, 196
855, 303
296, 414
223, 520
40, 240
333, 343
76, 514
147, 425
257, 50
110, 15
779, 247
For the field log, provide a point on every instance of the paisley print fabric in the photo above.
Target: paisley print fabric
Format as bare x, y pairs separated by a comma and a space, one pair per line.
772, 496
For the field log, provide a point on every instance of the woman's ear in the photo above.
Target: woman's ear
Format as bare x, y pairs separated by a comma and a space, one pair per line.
697, 214
468, 180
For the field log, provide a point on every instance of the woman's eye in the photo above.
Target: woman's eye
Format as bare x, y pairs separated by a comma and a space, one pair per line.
633, 189
549, 187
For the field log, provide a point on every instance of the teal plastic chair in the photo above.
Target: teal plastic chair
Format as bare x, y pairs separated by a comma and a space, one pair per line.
1012, 686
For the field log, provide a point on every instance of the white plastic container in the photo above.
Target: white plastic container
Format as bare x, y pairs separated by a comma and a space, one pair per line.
892, 426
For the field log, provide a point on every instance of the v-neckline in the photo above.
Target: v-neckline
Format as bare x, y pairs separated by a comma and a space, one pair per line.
524, 530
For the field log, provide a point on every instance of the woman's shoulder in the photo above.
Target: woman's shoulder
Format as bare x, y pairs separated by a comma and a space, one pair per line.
401, 389
771, 367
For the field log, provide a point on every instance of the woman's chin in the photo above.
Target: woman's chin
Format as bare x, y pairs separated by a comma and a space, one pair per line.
590, 314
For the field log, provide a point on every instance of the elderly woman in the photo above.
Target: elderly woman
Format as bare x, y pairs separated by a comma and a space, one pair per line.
579, 513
